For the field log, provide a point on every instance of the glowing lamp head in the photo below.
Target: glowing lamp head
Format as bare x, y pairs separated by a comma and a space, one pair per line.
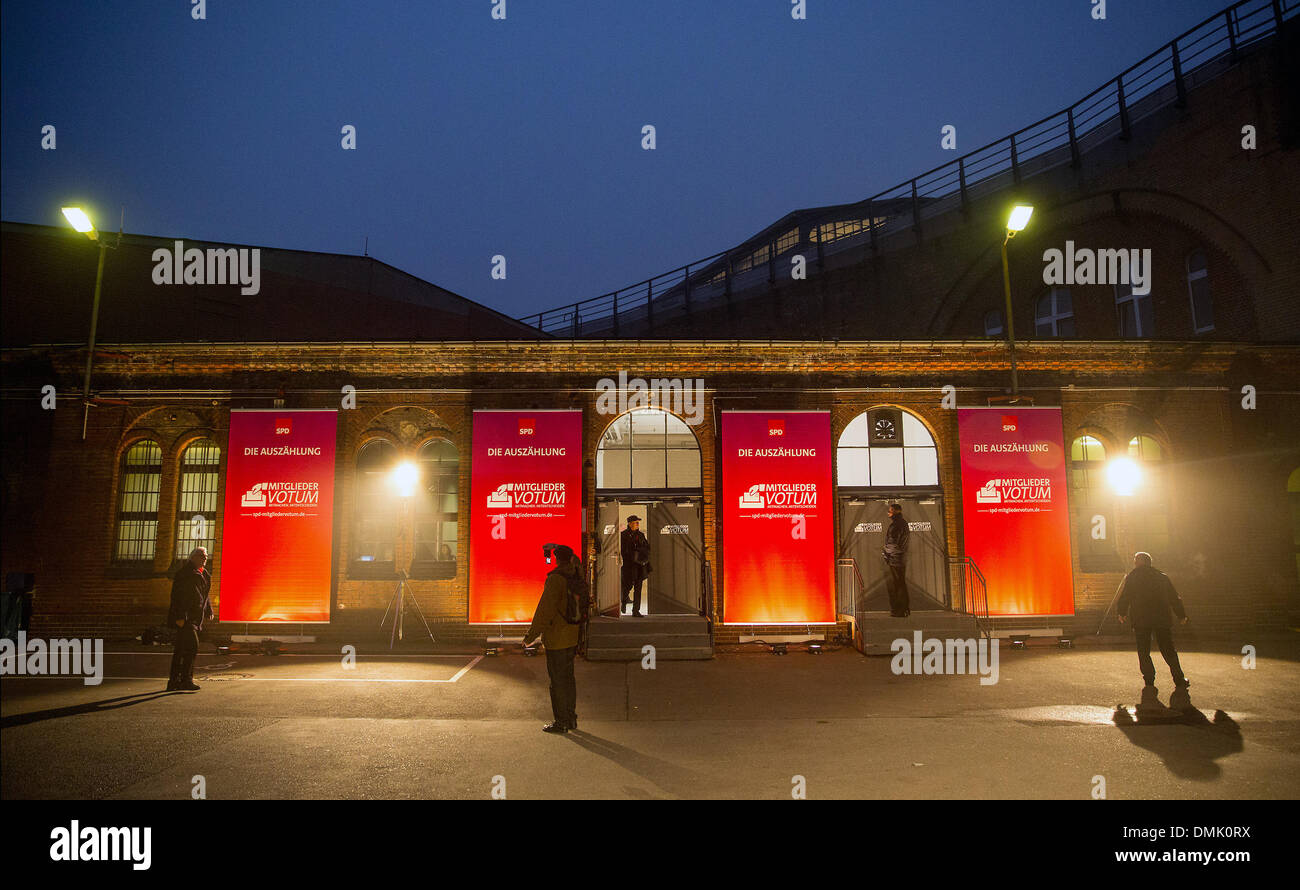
1019, 217
1123, 475
404, 478
80, 221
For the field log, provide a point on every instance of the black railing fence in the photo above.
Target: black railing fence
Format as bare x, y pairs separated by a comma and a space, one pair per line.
1107, 113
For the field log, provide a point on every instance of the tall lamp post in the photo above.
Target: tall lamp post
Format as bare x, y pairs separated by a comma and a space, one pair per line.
1015, 223
81, 222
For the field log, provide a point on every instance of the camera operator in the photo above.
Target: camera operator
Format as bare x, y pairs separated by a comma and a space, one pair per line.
558, 621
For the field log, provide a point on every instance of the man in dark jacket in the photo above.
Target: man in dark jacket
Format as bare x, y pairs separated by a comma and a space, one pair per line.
634, 549
1146, 597
190, 607
895, 554
560, 637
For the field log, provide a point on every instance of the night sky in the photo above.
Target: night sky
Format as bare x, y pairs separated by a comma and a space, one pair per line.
523, 137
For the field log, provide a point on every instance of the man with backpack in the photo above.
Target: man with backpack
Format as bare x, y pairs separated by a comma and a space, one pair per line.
558, 620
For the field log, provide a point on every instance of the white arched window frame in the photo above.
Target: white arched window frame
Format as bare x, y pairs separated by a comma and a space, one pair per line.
912, 462
1054, 314
648, 448
1198, 291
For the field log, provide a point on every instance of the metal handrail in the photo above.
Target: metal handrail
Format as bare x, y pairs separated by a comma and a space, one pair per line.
1106, 113
974, 593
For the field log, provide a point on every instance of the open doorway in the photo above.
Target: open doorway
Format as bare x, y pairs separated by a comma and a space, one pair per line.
864, 520
672, 526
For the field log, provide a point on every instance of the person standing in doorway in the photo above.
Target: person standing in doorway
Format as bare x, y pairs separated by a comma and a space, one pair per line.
634, 550
561, 631
895, 554
190, 607
1147, 597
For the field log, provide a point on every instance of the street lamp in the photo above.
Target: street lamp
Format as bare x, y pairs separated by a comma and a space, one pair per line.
1015, 223
80, 221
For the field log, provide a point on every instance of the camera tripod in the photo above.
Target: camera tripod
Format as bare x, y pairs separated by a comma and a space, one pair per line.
397, 605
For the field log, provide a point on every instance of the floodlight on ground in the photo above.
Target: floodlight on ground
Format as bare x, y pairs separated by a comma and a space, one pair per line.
1124, 475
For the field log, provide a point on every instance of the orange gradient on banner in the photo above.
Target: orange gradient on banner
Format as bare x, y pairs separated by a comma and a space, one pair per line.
525, 491
1014, 509
777, 525
278, 525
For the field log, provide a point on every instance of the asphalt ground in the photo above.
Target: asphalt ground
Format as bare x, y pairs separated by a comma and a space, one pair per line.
748, 724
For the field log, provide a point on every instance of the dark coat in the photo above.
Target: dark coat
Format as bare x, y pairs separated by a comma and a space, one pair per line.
548, 619
896, 541
190, 596
1147, 596
634, 548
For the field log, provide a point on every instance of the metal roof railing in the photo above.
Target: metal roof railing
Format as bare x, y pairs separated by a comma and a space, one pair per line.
1109, 112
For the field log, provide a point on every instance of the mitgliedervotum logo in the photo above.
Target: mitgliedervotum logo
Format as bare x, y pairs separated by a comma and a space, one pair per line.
1015, 491
216, 265
78, 843
282, 494
511, 495
950, 657
34, 657
779, 494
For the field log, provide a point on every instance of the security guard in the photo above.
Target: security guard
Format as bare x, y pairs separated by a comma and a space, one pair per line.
190, 607
634, 549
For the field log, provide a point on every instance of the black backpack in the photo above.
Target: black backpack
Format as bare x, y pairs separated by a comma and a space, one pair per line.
575, 600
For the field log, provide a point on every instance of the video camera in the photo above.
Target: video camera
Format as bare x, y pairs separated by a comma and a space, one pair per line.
562, 550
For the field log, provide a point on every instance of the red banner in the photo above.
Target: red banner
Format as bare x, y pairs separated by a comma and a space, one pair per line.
525, 491
1014, 509
778, 528
278, 527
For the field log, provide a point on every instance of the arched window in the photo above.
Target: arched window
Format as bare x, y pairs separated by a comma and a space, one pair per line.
1054, 314
437, 509
1198, 290
137, 503
1150, 503
1134, 312
375, 541
196, 508
1092, 506
886, 448
648, 448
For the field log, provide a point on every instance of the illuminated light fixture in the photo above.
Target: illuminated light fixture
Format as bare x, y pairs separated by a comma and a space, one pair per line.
80, 221
1019, 217
491, 650
404, 478
530, 651
1065, 642
1020, 641
1124, 475
779, 649
815, 648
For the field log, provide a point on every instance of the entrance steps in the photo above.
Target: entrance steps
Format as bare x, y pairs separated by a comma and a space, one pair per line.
876, 631
675, 638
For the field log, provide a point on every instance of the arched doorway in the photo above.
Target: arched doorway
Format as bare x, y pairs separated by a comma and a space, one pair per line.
887, 455
648, 465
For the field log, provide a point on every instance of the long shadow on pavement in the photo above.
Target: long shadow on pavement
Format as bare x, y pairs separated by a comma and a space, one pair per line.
107, 704
1190, 754
668, 777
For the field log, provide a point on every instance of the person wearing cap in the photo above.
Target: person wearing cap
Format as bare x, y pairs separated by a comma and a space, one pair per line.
895, 554
634, 550
559, 636
190, 607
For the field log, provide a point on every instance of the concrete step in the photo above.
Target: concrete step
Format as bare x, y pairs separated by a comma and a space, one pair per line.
674, 624
662, 653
